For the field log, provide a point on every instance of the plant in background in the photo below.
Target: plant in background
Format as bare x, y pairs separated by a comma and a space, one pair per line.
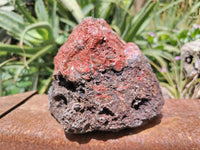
37, 44
171, 27
165, 58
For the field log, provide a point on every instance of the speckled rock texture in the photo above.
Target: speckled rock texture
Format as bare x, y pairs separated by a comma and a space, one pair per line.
101, 82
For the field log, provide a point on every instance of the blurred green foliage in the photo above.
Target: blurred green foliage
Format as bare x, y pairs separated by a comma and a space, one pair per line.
30, 37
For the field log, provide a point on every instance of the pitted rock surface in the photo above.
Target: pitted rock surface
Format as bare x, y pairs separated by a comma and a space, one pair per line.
101, 82
190, 57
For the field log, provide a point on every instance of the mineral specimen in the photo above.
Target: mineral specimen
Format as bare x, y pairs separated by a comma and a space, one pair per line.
190, 57
101, 82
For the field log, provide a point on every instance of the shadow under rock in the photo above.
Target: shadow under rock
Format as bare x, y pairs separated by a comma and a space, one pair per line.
107, 135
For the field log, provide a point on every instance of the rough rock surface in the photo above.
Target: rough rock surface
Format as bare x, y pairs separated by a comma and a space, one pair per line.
101, 82
190, 57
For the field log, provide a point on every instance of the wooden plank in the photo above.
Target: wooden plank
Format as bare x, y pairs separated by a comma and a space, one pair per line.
9, 103
31, 126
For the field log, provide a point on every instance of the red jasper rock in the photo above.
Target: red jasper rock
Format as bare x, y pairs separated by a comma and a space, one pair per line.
101, 82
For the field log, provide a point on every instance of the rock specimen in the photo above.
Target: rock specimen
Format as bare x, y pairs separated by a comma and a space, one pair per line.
190, 57
101, 82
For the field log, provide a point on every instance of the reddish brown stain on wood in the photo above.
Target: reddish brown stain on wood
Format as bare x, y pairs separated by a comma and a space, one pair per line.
30, 126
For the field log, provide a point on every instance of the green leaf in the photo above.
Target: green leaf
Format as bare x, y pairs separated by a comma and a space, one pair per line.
87, 9
171, 48
61, 39
11, 22
17, 49
35, 80
24, 84
3, 2
158, 55
170, 5
39, 54
9, 60
54, 21
170, 89
188, 13
104, 9
38, 25
8, 8
74, 8
68, 22
126, 15
14, 24
45, 85
40, 11
20, 6
136, 23
116, 29
166, 74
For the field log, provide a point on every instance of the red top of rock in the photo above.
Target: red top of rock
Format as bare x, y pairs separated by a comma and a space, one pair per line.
91, 47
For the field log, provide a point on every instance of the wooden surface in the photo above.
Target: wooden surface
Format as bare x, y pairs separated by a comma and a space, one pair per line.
30, 126
9, 103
